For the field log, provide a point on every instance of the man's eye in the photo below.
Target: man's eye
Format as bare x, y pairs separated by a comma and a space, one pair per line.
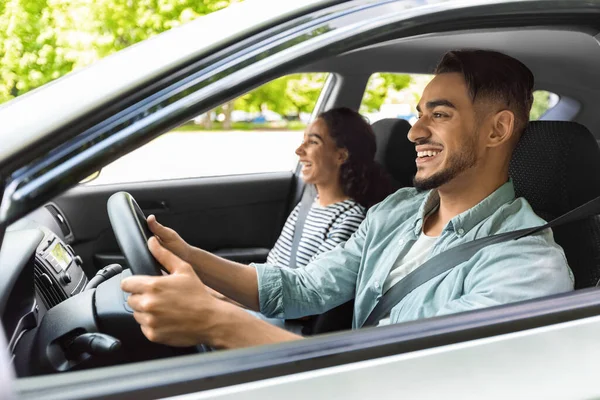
438, 115
313, 142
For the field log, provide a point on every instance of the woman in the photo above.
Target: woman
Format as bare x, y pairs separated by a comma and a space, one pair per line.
337, 157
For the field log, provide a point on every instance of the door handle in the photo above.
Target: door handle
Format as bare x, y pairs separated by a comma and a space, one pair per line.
154, 207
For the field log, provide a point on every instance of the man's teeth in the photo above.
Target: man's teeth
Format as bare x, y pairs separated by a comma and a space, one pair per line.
427, 153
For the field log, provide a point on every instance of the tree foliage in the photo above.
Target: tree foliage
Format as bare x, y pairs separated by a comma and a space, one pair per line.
379, 87
33, 45
288, 95
541, 104
41, 40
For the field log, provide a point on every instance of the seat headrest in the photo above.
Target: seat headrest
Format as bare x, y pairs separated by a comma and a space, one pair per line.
555, 166
395, 152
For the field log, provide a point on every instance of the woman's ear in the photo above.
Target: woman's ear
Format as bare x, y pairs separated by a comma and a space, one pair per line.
503, 125
342, 156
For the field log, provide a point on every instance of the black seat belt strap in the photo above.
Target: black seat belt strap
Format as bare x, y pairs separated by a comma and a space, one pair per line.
448, 259
308, 197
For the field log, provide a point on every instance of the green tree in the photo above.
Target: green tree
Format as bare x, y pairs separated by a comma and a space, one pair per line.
33, 49
288, 95
541, 104
302, 92
41, 40
378, 88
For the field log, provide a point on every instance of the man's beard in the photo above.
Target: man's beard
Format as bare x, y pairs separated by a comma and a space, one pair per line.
457, 164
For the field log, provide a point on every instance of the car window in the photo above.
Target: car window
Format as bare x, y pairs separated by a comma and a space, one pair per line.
393, 95
254, 133
543, 101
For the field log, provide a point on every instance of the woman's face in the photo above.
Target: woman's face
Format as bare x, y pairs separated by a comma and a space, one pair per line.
320, 158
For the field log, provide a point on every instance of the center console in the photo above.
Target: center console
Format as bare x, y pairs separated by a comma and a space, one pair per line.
58, 274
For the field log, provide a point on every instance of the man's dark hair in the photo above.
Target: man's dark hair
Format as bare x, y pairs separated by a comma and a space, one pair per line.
494, 76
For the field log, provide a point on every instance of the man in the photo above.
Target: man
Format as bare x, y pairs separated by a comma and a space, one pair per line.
470, 118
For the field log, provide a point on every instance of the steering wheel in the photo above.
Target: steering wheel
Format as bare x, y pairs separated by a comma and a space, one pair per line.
132, 233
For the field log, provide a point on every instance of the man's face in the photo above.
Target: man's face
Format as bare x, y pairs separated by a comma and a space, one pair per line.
446, 134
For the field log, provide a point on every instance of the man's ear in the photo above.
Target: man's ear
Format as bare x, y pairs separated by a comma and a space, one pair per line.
503, 126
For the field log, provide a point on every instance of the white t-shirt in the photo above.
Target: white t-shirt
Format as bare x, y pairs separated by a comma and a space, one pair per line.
414, 258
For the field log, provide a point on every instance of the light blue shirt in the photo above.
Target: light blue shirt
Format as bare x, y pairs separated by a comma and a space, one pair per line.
516, 270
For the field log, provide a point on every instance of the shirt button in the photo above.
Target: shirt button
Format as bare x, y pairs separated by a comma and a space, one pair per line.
461, 231
376, 285
401, 242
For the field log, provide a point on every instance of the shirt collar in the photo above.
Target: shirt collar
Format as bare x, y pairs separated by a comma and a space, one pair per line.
464, 222
432, 200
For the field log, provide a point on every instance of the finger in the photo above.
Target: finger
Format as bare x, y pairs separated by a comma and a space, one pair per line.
151, 334
138, 284
153, 224
136, 303
170, 261
141, 318
157, 228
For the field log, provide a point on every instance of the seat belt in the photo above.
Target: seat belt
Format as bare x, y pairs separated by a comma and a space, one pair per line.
308, 197
448, 259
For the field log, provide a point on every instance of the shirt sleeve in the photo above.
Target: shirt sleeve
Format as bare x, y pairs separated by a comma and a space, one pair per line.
518, 270
326, 282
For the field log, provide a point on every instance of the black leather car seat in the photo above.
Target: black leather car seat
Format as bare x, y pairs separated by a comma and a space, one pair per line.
395, 152
556, 167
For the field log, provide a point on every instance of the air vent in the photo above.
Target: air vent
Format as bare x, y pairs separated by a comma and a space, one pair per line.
60, 219
47, 286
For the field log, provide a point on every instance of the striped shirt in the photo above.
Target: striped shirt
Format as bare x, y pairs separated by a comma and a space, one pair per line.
325, 228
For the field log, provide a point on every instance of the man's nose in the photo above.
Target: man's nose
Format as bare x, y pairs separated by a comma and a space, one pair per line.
419, 131
300, 149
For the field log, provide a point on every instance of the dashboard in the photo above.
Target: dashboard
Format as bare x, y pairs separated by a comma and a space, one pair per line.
55, 319
39, 271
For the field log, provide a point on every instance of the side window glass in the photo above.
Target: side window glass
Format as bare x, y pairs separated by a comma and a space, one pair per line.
255, 133
543, 101
393, 95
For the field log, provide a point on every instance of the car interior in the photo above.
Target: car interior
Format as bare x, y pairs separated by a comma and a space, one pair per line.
56, 250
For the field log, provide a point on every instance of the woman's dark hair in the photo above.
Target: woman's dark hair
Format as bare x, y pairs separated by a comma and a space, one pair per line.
362, 178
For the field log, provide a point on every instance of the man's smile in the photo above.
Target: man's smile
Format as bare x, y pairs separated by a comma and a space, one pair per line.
426, 156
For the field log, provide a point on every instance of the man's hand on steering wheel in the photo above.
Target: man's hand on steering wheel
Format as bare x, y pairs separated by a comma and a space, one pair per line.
170, 239
175, 309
